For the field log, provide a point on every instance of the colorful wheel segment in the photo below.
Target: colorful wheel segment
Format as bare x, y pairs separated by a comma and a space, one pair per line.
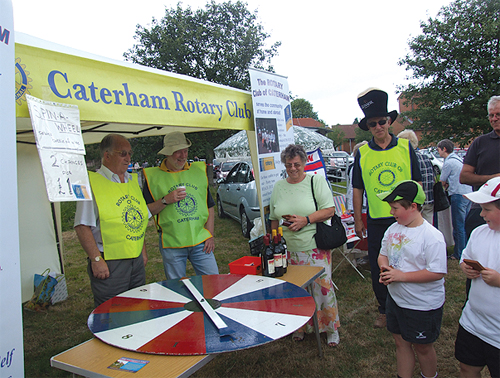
165, 318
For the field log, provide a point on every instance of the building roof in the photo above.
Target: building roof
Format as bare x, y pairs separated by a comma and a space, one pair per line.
307, 122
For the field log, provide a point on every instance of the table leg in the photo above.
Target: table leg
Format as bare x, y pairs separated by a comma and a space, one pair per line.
315, 322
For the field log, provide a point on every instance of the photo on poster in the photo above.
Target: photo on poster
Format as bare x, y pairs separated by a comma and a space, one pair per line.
267, 135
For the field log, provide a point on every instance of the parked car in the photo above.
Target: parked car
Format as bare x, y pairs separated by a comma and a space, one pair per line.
225, 168
237, 196
436, 160
336, 164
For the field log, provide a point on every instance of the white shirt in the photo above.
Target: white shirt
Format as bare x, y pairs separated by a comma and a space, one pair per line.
481, 314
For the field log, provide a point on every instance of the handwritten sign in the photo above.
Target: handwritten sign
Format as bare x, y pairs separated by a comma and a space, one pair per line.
61, 149
56, 126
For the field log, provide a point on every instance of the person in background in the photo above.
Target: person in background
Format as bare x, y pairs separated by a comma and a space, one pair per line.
177, 193
349, 205
292, 199
482, 161
413, 264
428, 175
379, 164
460, 206
110, 230
478, 337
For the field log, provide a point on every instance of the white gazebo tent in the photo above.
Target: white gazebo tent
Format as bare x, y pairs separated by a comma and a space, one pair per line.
113, 97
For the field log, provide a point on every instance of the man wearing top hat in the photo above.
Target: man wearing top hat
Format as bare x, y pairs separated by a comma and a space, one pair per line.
177, 194
378, 165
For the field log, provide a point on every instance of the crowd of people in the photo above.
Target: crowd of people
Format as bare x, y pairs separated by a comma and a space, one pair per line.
391, 181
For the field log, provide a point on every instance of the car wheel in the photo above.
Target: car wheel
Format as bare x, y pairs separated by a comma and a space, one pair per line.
246, 225
437, 171
220, 210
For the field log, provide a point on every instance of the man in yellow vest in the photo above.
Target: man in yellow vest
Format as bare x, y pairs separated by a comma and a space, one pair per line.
378, 165
111, 227
177, 194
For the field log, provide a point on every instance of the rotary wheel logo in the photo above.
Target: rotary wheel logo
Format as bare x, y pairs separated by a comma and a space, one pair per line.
386, 178
132, 218
187, 205
22, 82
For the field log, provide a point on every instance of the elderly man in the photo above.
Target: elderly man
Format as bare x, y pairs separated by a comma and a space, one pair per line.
379, 164
482, 162
177, 193
111, 227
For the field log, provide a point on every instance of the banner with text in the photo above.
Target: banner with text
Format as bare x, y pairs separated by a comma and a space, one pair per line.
11, 328
61, 149
273, 128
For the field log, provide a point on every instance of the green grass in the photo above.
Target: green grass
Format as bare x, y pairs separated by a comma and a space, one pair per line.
363, 351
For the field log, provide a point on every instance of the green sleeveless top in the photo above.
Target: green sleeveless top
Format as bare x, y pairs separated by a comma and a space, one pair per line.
123, 216
181, 224
380, 170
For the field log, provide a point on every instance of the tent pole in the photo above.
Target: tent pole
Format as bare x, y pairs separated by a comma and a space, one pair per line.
58, 243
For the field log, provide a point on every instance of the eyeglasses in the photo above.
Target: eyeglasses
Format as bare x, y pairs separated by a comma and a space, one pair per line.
493, 115
295, 165
123, 153
382, 122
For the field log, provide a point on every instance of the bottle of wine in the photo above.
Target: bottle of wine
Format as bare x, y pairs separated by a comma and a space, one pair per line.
285, 250
278, 255
267, 258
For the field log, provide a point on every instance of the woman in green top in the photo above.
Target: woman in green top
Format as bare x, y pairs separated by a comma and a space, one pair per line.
292, 199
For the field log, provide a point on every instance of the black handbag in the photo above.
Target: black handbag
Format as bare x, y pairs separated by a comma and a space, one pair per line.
329, 237
441, 201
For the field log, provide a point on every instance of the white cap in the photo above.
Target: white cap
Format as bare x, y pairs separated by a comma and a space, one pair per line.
489, 192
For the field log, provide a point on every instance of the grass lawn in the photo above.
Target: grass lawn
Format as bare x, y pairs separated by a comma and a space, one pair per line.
363, 351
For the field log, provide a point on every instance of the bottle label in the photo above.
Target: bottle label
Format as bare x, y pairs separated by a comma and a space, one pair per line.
284, 260
270, 264
278, 263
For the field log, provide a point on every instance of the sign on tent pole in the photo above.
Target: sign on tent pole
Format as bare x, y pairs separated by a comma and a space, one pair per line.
61, 149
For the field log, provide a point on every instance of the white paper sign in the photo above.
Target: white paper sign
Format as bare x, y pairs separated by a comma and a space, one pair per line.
61, 149
65, 175
56, 126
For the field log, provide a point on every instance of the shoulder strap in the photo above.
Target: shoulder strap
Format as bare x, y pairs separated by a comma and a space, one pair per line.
312, 190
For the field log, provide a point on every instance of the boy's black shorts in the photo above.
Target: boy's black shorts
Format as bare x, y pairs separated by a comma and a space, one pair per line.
414, 326
472, 351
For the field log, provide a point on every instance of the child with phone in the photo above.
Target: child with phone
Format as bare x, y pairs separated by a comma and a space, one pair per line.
412, 265
478, 338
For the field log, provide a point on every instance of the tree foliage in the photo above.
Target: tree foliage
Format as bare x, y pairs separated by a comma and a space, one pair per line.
337, 135
218, 43
362, 135
301, 108
456, 69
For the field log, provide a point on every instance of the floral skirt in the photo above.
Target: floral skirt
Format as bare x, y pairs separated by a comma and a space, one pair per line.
322, 289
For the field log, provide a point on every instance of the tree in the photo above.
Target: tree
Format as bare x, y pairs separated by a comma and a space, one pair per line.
337, 135
301, 108
218, 43
456, 68
362, 135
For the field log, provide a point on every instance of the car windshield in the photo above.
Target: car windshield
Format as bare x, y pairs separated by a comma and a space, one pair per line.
226, 167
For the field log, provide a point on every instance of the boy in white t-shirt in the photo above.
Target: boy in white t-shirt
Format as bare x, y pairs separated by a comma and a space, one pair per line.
478, 338
412, 263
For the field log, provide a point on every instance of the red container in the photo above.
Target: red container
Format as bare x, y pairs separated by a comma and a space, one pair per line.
246, 265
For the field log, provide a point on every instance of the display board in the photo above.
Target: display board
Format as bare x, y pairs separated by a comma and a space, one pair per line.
165, 318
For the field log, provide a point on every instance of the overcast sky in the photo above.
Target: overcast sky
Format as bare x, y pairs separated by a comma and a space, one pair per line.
331, 51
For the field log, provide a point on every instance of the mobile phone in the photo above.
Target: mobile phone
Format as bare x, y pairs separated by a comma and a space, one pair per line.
474, 264
286, 216
287, 223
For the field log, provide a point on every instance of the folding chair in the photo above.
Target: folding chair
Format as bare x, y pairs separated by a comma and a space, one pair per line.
352, 238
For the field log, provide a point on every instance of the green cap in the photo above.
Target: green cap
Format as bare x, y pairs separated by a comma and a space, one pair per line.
408, 189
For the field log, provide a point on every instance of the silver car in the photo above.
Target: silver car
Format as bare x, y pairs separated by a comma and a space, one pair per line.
237, 196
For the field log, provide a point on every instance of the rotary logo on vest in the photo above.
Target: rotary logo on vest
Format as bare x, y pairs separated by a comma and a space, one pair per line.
132, 218
185, 207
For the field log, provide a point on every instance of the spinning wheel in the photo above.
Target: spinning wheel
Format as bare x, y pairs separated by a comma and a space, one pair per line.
165, 318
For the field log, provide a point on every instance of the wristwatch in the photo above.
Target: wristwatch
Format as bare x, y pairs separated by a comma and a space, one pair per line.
308, 221
97, 258
163, 201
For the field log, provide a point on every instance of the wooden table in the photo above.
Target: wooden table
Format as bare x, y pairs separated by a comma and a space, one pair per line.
92, 358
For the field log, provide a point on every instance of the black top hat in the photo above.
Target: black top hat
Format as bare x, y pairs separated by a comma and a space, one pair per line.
373, 102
